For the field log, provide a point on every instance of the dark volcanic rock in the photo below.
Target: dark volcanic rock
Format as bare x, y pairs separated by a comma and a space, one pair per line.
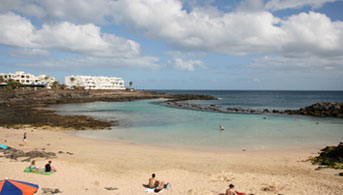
14, 154
330, 156
16, 106
14, 117
323, 109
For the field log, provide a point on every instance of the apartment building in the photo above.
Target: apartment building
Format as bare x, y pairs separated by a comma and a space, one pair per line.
94, 82
29, 79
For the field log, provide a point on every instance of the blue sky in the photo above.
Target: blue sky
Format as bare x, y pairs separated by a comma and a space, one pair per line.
178, 44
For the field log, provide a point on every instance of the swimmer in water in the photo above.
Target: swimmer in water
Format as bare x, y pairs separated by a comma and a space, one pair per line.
221, 127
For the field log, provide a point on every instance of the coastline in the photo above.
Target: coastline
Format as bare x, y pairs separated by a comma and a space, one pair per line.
20, 107
93, 165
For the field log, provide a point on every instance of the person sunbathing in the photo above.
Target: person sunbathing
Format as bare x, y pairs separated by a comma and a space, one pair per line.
34, 168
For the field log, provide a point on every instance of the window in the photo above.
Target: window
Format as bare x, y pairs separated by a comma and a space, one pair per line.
22, 76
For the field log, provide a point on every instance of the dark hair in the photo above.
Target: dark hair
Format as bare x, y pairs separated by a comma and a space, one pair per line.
231, 186
153, 175
49, 161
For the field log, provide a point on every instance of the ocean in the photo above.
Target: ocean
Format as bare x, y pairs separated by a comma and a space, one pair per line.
144, 122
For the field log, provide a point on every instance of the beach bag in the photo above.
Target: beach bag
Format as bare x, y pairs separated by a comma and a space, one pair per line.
167, 186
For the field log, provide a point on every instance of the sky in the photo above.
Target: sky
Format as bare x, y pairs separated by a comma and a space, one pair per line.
178, 44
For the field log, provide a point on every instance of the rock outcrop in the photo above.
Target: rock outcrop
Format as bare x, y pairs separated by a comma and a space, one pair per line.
321, 109
326, 109
330, 156
17, 106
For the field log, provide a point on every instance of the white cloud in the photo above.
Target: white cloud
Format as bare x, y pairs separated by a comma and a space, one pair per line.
28, 53
301, 63
275, 5
248, 30
189, 65
76, 11
144, 62
312, 34
234, 33
17, 31
205, 28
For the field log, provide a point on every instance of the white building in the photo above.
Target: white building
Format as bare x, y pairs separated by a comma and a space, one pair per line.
29, 79
94, 82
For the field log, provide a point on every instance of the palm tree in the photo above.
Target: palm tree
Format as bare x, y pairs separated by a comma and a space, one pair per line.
130, 83
12, 84
55, 85
72, 79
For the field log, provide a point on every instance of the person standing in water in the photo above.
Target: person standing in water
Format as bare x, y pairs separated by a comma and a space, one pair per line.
221, 127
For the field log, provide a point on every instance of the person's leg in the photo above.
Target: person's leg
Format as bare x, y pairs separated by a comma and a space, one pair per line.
161, 185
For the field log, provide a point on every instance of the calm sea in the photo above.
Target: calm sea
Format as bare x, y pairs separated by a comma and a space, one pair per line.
263, 99
144, 122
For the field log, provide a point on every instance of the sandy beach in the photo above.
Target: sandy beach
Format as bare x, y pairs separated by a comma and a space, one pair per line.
87, 166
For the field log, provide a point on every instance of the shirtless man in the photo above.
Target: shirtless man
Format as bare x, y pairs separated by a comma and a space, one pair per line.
231, 191
153, 182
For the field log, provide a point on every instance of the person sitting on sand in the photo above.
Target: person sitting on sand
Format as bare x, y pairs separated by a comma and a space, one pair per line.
49, 167
231, 191
34, 168
153, 182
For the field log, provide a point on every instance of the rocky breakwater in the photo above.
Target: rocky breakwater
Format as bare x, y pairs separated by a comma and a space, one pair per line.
323, 109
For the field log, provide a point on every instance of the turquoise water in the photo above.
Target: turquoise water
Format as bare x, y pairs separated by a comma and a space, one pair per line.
143, 122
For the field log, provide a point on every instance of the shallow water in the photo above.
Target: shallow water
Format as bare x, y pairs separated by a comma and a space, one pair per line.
144, 122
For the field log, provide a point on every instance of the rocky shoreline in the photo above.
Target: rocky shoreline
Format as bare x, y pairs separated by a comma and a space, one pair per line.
321, 109
18, 107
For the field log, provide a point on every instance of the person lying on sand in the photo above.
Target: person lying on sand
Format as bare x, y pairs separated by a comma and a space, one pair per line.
49, 167
34, 168
231, 191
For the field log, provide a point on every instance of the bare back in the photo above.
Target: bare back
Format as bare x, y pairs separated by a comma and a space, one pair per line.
230, 192
152, 182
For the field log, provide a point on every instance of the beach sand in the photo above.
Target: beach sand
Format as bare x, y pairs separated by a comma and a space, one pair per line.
92, 165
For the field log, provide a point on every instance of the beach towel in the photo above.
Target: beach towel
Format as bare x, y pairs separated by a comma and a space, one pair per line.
28, 170
152, 190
